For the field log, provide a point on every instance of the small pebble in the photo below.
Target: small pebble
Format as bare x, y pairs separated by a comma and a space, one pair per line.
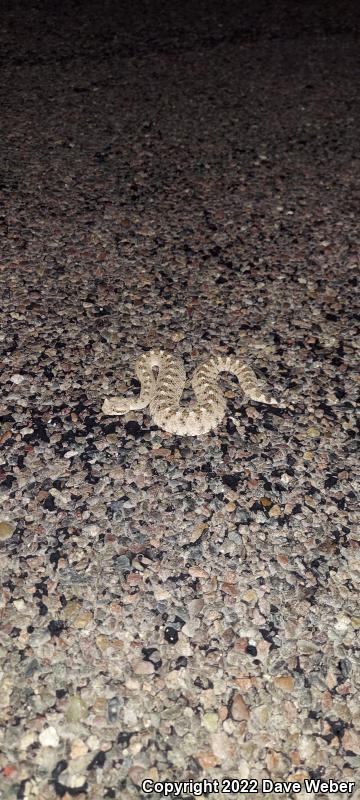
6, 530
49, 737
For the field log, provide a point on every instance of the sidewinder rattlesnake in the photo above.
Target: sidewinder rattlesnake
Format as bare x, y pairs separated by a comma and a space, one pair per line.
163, 392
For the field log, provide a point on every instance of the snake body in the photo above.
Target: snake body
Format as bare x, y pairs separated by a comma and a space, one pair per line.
162, 392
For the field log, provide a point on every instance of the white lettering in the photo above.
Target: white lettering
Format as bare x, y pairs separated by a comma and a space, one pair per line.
312, 785
147, 785
176, 788
279, 787
267, 786
330, 786
171, 788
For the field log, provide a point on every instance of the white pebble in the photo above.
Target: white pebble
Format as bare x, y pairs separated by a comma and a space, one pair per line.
49, 737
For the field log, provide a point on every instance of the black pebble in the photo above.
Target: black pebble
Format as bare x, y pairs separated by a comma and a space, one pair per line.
181, 662
133, 429
56, 627
49, 503
251, 650
232, 480
98, 760
171, 635
330, 481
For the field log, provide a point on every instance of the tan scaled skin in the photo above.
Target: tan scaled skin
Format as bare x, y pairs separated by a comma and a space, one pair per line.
163, 392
